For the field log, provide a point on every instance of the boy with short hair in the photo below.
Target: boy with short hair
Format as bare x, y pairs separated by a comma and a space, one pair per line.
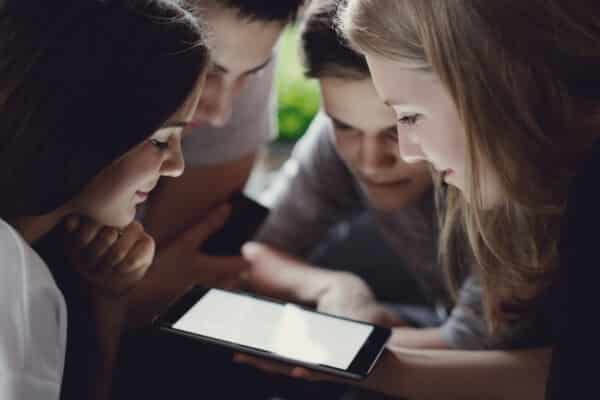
345, 164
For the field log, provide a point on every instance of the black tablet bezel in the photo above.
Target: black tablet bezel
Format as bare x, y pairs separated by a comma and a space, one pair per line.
359, 369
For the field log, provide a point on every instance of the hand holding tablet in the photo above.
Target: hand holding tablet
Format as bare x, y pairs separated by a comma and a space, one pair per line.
278, 331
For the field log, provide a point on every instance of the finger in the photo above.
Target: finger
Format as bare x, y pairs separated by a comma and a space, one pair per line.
274, 273
139, 257
77, 241
96, 250
268, 257
303, 373
215, 220
264, 365
86, 232
121, 248
122, 277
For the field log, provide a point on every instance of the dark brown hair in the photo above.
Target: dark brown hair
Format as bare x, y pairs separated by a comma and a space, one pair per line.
81, 82
325, 52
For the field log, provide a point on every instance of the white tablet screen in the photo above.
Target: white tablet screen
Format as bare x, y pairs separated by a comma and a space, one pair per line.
286, 330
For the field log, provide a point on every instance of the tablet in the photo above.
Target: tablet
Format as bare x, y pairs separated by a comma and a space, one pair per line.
276, 330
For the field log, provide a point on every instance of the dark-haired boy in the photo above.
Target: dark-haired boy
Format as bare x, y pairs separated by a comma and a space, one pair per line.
345, 164
235, 117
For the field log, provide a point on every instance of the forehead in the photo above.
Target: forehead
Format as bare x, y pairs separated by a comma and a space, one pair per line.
356, 103
400, 82
239, 44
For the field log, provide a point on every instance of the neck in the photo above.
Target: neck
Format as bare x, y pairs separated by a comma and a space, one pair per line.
33, 228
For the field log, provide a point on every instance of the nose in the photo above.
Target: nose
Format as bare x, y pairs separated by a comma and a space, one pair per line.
374, 155
409, 148
219, 107
174, 164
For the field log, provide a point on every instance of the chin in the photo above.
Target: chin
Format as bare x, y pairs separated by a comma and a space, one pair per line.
386, 205
120, 220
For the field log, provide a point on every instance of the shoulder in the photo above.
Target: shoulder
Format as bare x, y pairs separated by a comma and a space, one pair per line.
12, 258
32, 318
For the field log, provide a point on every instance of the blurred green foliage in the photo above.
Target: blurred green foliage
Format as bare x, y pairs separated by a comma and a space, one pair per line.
298, 97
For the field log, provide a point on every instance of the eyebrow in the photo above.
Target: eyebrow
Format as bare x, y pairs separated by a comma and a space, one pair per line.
345, 125
339, 123
174, 124
251, 71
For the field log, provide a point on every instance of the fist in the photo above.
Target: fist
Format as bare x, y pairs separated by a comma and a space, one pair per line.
112, 261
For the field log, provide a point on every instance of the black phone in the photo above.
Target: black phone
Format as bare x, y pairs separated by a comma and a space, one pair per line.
272, 329
247, 215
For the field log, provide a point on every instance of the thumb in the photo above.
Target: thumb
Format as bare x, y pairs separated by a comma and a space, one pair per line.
255, 252
214, 221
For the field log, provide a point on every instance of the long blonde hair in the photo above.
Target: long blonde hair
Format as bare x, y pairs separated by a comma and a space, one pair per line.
524, 78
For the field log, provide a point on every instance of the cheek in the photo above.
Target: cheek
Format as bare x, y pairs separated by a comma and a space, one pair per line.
348, 147
111, 194
446, 146
209, 90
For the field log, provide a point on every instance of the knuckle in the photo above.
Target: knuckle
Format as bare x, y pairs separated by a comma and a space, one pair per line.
117, 255
108, 235
148, 244
136, 226
126, 265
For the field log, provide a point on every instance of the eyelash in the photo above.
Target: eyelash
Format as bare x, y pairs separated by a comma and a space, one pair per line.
160, 145
392, 134
409, 120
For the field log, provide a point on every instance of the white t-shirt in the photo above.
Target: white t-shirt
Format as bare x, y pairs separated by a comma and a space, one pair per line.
33, 323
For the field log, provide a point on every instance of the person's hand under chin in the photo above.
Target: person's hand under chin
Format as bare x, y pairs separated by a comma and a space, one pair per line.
110, 260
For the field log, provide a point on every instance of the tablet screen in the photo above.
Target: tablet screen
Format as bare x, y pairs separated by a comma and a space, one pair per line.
283, 329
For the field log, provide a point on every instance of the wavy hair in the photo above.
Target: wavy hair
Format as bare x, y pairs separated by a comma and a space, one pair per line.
523, 76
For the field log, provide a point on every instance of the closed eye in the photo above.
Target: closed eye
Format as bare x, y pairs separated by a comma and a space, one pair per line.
160, 145
409, 120
391, 133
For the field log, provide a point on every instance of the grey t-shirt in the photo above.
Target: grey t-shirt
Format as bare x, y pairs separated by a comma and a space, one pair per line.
319, 191
252, 124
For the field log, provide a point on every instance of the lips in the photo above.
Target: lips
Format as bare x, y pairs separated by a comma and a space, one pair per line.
396, 182
144, 193
446, 173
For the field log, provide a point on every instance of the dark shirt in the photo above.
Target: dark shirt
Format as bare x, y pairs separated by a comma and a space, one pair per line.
574, 369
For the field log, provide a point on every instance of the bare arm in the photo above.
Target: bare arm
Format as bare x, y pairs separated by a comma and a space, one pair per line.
109, 316
449, 374
179, 203
442, 374
414, 338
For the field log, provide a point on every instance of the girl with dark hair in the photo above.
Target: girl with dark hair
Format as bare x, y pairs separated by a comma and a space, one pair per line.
90, 119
